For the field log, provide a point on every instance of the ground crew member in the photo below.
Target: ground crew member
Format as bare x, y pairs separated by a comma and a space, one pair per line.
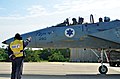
17, 55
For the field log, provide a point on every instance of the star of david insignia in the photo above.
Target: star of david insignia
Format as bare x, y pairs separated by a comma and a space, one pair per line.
70, 32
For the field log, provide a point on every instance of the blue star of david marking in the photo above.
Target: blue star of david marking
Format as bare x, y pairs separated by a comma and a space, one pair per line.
70, 32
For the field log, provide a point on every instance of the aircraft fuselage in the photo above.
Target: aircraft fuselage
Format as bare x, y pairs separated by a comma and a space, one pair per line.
92, 35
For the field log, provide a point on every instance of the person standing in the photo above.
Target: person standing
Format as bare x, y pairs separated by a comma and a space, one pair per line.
17, 55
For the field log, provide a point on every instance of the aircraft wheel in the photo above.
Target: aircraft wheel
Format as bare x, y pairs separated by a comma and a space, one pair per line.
103, 69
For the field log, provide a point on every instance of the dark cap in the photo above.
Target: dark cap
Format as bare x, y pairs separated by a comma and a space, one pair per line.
17, 36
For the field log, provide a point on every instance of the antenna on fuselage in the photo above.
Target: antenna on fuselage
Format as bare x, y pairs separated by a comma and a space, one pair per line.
91, 19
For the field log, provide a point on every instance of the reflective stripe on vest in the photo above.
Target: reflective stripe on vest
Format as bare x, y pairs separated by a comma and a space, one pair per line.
17, 46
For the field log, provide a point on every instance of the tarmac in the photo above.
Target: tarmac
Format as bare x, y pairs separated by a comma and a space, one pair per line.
60, 70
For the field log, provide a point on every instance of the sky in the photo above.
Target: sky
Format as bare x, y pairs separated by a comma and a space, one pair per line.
22, 16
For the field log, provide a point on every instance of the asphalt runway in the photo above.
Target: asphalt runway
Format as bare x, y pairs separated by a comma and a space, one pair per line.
54, 70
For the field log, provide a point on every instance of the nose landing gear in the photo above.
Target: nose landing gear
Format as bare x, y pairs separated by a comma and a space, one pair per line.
102, 69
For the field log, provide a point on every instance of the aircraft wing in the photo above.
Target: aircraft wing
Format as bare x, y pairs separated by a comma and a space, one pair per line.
112, 35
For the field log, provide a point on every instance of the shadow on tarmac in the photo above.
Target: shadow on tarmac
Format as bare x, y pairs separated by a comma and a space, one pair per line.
67, 76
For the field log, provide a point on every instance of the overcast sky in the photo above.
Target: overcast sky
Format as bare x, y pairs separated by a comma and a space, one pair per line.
21, 16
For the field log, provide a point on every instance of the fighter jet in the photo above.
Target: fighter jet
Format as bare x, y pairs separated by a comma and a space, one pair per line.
103, 34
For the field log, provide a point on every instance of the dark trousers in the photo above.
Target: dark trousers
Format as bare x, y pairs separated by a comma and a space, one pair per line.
17, 67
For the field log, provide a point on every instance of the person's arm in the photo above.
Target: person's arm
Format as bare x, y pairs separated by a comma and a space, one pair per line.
26, 42
10, 54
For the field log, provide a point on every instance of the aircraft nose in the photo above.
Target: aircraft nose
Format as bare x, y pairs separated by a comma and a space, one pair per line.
4, 42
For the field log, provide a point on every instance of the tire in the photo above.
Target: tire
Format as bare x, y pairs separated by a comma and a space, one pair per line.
103, 69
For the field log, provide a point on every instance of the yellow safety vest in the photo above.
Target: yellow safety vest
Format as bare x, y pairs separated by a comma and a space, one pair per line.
17, 46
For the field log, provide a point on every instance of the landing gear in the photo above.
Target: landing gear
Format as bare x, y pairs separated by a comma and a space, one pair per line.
103, 69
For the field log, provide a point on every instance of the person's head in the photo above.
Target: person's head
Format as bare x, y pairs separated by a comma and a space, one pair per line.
17, 36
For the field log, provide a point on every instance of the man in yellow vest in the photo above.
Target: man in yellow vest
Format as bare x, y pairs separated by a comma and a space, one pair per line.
16, 54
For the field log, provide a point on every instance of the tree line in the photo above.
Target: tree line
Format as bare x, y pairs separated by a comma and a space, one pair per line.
52, 55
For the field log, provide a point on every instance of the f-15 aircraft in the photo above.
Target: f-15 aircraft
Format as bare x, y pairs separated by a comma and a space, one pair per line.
103, 34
